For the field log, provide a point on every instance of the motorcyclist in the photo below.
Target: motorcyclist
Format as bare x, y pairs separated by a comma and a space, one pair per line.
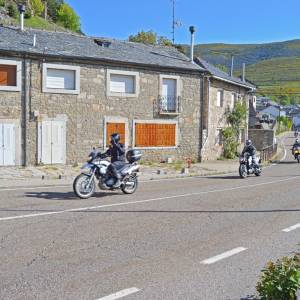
251, 150
296, 145
117, 153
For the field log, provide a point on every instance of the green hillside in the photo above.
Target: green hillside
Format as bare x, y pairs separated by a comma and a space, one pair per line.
41, 14
278, 76
273, 67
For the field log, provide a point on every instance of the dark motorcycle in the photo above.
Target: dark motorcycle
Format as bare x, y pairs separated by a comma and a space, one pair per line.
249, 166
97, 168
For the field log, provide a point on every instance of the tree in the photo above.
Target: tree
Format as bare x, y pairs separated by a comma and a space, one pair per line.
68, 18
145, 37
37, 7
53, 6
236, 119
163, 41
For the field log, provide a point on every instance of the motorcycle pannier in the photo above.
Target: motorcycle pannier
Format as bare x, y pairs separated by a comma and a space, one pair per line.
133, 156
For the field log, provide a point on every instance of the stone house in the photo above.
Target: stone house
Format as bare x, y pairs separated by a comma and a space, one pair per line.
62, 93
221, 91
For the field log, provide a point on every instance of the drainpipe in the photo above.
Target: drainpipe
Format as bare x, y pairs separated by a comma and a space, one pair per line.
24, 111
205, 79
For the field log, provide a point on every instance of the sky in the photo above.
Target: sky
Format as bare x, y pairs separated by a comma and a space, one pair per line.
216, 21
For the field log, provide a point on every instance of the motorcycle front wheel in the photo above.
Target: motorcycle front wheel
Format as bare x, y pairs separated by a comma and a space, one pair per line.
243, 171
130, 185
83, 187
258, 172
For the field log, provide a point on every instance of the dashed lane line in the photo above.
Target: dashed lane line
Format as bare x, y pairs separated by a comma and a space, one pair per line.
224, 255
121, 294
291, 228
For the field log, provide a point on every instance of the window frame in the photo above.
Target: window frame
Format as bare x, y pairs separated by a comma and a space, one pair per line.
76, 69
136, 76
178, 83
221, 99
18, 86
168, 122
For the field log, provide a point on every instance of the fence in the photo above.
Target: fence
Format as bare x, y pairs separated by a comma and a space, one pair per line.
267, 153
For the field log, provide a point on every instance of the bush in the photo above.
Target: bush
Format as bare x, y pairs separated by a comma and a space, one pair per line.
229, 142
68, 18
2, 2
280, 280
12, 11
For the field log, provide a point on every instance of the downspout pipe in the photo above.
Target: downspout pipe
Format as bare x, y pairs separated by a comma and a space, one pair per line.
24, 111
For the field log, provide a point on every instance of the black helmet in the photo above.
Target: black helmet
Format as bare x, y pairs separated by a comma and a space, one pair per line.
115, 137
248, 143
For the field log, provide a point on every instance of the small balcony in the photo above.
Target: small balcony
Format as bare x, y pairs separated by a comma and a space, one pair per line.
169, 105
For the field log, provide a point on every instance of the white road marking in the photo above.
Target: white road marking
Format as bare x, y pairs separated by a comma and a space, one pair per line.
40, 187
291, 228
120, 294
146, 200
224, 255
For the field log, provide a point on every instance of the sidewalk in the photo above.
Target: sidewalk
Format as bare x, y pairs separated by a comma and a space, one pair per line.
64, 175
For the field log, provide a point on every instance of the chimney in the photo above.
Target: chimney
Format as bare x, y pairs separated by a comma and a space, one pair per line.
22, 11
192, 31
244, 72
232, 66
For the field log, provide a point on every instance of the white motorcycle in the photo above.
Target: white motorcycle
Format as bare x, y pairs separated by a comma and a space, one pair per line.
97, 168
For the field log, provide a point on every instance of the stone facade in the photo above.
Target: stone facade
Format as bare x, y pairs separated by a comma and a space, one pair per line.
86, 112
214, 117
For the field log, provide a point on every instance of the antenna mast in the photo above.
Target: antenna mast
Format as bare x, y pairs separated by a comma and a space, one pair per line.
173, 22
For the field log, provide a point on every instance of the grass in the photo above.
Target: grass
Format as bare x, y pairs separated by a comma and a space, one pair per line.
40, 23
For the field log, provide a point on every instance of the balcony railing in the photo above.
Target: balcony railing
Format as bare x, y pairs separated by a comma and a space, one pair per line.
169, 105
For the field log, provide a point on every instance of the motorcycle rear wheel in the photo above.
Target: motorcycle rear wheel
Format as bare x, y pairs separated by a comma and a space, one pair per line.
126, 189
243, 171
81, 188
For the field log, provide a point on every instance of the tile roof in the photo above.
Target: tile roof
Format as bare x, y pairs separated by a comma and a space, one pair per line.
222, 75
64, 44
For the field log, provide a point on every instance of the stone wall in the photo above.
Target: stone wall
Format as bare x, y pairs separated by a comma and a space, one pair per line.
216, 114
261, 138
85, 113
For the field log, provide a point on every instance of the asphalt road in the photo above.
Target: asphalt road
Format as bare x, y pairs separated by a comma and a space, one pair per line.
196, 238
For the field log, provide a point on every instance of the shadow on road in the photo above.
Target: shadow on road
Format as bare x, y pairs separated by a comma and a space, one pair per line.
223, 177
62, 196
289, 162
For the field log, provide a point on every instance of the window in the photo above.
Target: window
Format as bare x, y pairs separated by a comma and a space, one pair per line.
151, 134
169, 93
61, 79
220, 96
233, 100
10, 75
122, 83
218, 140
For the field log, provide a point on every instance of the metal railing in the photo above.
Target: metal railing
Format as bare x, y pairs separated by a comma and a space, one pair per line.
267, 153
169, 105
